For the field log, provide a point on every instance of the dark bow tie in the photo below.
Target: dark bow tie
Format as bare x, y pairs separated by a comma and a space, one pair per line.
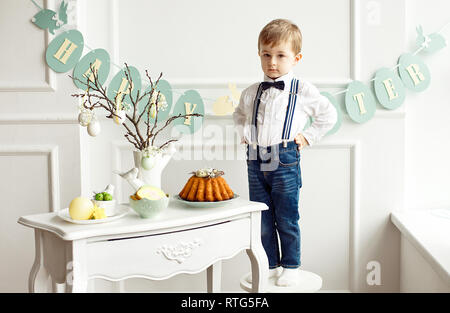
278, 84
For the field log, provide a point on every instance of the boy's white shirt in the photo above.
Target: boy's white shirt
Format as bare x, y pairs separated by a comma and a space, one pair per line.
272, 112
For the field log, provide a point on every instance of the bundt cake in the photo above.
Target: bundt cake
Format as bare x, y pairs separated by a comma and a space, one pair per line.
206, 185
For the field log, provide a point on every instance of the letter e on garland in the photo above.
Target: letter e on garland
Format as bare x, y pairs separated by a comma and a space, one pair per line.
64, 51
389, 89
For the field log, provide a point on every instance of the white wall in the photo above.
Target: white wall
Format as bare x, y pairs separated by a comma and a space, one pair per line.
366, 170
39, 138
204, 45
427, 128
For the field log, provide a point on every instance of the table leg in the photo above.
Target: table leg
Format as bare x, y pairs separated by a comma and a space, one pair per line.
58, 288
76, 270
38, 278
257, 255
214, 277
260, 269
119, 286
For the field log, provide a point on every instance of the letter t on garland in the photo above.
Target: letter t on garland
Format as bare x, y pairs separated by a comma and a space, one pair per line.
359, 97
359, 102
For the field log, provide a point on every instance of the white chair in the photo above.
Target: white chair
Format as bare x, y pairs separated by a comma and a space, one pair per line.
307, 282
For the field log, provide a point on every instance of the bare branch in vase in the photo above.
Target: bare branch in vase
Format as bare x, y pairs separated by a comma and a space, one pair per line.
95, 97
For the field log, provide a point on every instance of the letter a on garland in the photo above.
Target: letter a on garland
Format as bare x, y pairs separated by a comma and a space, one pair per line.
98, 61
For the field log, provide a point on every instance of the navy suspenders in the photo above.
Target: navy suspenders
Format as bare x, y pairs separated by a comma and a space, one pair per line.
289, 113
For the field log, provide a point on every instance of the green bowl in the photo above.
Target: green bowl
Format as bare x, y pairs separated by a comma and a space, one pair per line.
149, 208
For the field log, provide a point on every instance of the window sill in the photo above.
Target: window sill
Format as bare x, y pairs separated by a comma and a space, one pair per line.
429, 233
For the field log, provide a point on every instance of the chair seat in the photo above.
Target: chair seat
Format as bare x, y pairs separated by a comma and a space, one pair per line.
307, 282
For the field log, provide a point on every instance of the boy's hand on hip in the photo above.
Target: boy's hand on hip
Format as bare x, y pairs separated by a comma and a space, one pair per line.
243, 140
301, 141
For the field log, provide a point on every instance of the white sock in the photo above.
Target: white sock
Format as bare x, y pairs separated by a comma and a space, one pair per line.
273, 272
288, 278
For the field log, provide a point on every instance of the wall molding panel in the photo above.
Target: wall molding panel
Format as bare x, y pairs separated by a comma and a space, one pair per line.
243, 82
52, 153
197, 149
354, 210
36, 119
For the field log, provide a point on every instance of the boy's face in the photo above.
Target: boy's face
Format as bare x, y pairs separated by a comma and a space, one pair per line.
278, 60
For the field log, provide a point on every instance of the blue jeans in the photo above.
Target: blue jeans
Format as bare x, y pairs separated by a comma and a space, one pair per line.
274, 178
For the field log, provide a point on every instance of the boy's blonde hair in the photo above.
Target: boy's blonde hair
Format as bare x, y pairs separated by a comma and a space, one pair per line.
281, 30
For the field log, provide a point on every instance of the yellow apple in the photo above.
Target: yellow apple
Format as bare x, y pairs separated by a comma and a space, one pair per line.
150, 192
81, 208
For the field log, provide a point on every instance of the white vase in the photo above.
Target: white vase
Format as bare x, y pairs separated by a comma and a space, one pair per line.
152, 177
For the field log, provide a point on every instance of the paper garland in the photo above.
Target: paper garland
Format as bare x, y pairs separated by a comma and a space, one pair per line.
46, 18
95, 61
413, 72
164, 102
389, 89
336, 105
189, 102
359, 102
119, 88
64, 52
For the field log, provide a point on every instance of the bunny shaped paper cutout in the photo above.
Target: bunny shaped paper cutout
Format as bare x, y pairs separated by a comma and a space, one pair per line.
432, 42
46, 18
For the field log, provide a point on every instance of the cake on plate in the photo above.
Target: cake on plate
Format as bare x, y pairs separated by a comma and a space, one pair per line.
206, 185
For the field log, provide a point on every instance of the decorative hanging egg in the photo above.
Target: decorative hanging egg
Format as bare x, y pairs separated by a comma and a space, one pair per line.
120, 118
84, 118
93, 128
148, 162
153, 111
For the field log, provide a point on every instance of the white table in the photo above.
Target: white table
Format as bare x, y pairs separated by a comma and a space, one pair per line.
179, 240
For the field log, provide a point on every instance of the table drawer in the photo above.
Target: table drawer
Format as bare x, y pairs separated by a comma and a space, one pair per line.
164, 255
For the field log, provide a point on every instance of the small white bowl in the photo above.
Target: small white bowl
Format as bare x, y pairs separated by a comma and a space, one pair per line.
109, 206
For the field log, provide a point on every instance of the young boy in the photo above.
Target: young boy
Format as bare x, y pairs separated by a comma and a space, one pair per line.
271, 118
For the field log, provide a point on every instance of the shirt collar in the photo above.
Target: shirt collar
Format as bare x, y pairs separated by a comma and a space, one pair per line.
286, 78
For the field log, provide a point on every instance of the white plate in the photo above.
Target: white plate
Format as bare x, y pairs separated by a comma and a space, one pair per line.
121, 211
205, 204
